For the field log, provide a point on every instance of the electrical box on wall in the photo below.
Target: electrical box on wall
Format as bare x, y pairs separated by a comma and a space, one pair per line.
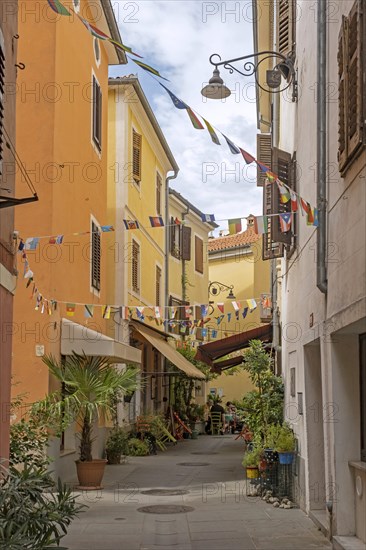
39, 351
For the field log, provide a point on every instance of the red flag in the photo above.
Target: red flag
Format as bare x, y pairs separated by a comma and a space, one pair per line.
221, 307
246, 156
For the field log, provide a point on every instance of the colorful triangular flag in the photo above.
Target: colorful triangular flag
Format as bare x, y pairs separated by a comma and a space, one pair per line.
233, 148
221, 307
148, 69
131, 224
260, 225
106, 312
88, 310
234, 226
285, 221
194, 119
246, 156
212, 132
156, 221
236, 305
208, 217
70, 309
57, 7
252, 304
294, 203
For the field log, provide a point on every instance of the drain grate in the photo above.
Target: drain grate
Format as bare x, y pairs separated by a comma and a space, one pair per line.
164, 492
204, 453
119, 519
193, 464
165, 509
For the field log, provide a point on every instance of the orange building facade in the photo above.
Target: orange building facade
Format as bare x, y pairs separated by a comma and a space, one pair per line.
62, 102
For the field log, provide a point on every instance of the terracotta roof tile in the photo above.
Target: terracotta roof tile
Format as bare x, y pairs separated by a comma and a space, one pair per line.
232, 241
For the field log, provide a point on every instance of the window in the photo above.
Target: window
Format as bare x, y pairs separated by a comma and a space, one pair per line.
285, 26
135, 266
97, 114
284, 166
159, 185
186, 243
175, 238
198, 250
96, 51
175, 325
2, 82
95, 257
136, 157
363, 395
158, 286
351, 101
293, 382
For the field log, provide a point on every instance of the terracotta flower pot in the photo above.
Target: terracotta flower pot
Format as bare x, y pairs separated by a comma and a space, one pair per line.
90, 474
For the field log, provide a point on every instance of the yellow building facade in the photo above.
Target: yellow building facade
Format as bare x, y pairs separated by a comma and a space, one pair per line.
138, 273
237, 274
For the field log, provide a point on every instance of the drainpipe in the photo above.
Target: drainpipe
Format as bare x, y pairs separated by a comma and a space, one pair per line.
184, 293
321, 274
167, 238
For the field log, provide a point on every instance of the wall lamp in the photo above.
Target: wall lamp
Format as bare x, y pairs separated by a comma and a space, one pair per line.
216, 288
284, 69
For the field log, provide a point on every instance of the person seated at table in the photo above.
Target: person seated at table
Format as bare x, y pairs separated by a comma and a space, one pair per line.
216, 407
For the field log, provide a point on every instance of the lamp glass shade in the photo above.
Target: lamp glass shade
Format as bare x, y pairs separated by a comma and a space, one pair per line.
216, 88
215, 91
231, 295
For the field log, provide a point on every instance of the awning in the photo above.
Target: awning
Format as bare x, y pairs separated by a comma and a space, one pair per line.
75, 337
214, 350
160, 343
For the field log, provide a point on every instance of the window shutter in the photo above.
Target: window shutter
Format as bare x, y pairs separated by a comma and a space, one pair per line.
96, 254
186, 243
97, 114
342, 95
2, 82
172, 235
285, 26
355, 80
158, 286
282, 167
198, 248
135, 266
352, 87
264, 143
159, 184
270, 248
136, 156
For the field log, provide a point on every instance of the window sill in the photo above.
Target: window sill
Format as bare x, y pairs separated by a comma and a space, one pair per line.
357, 465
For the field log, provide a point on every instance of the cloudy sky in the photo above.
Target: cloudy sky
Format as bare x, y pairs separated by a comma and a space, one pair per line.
177, 37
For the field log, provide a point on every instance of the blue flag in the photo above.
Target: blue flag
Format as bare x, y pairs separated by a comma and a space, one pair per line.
233, 148
178, 103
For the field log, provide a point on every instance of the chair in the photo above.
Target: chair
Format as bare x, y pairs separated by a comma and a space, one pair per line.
217, 425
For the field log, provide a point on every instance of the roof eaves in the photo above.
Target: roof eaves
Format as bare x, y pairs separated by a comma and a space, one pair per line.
113, 27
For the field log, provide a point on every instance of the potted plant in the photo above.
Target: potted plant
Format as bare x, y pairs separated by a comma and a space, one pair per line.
251, 461
88, 386
116, 445
285, 444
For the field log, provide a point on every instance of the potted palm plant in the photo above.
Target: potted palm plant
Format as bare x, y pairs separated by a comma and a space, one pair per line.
116, 445
88, 385
251, 461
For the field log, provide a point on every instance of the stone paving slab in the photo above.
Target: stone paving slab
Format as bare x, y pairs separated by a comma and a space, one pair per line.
223, 517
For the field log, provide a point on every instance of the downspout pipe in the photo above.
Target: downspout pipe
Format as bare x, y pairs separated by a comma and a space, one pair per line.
321, 273
184, 291
167, 237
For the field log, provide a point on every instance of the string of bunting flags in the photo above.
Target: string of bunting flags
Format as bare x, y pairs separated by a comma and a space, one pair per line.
286, 193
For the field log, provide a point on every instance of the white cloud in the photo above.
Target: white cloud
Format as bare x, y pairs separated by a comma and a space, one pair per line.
177, 37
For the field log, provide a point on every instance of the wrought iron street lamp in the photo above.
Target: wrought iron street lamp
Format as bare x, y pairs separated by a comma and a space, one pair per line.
283, 70
216, 288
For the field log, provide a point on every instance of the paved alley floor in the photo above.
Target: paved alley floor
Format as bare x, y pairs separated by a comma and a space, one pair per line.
209, 474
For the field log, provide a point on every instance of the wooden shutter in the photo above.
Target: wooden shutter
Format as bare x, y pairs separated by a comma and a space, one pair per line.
159, 184
158, 286
96, 254
285, 26
352, 87
355, 74
2, 82
136, 156
97, 114
342, 95
172, 236
281, 165
264, 142
270, 248
186, 243
135, 266
198, 251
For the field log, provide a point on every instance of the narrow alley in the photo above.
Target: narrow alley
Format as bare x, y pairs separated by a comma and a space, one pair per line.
207, 510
